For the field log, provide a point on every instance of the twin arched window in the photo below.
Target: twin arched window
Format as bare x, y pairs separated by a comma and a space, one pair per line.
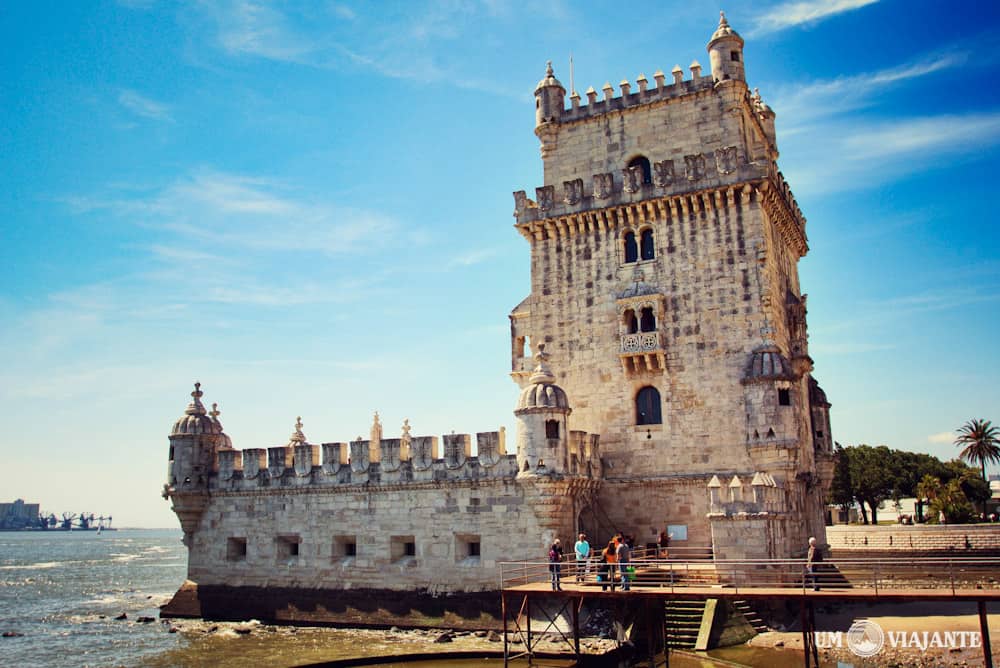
645, 322
643, 248
647, 406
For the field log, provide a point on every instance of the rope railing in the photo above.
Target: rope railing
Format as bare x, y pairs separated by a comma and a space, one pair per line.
880, 575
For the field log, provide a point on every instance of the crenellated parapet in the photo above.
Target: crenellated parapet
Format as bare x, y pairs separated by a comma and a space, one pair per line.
701, 172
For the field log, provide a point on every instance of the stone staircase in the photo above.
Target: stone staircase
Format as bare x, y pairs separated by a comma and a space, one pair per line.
682, 623
753, 619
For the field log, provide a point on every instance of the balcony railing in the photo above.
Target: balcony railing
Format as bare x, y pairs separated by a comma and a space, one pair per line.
640, 342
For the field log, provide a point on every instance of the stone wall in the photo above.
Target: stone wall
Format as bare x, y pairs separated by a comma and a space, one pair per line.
954, 539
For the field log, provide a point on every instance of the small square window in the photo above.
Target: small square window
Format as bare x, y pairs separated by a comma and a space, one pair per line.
468, 549
552, 429
236, 549
344, 546
402, 547
287, 548
784, 397
474, 549
734, 56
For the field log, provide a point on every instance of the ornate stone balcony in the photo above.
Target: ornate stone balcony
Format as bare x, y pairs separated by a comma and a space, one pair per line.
642, 352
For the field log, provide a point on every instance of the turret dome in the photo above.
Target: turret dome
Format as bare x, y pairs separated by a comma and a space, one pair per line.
542, 392
768, 363
724, 30
549, 80
196, 419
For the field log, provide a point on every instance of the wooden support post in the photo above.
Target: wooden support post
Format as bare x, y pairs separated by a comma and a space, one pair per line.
503, 611
576, 626
984, 635
812, 633
527, 617
808, 638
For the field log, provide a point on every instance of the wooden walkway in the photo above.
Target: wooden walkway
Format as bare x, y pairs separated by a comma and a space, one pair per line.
523, 584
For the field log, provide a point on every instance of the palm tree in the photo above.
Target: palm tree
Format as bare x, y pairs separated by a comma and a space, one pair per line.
982, 443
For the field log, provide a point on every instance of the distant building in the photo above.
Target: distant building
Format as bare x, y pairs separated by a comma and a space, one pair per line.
18, 515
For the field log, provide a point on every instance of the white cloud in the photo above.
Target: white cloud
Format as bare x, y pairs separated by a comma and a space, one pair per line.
793, 14
469, 258
797, 104
144, 106
942, 437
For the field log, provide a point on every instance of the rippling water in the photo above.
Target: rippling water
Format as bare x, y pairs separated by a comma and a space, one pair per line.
62, 590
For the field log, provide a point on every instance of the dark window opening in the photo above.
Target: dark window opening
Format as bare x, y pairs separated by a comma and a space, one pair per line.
784, 397
734, 56
552, 429
631, 248
647, 245
171, 453
819, 433
647, 321
643, 163
631, 323
236, 549
474, 549
647, 406
410, 549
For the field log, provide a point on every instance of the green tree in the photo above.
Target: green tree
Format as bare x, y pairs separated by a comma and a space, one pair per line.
927, 490
873, 477
841, 490
952, 502
981, 441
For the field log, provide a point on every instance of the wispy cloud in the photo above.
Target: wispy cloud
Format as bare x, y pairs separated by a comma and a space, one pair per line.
794, 14
942, 437
144, 106
827, 349
860, 153
469, 258
798, 104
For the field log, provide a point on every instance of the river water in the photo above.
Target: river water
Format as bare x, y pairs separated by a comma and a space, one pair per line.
61, 592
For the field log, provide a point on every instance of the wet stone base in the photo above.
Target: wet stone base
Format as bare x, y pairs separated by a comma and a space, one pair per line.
372, 608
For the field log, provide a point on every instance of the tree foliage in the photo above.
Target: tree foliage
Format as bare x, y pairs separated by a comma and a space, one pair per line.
870, 475
981, 441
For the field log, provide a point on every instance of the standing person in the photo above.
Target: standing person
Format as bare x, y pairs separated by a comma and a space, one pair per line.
813, 555
624, 558
611, 557
555, 564
582, 551
664, 543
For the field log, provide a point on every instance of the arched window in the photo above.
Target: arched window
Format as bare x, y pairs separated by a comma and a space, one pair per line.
631, 323
631, 248
552, 429
642, 162
647, 321
646, 245
647, 406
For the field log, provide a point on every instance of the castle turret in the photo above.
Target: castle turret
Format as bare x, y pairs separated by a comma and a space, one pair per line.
542, 428
549, 98
725, 51
194, 440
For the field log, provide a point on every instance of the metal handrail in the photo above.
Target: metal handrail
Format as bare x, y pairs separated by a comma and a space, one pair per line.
950, 574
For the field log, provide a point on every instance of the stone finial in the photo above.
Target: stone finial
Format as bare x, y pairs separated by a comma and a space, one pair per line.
714, 483
196, 407
574, 100
642, 82
297, 436
376, 430
723, 23
609, 92
735, 482
591, 95
758, 480
548, 63
406, 430
626, 87
695, 70
678, 74
215, 412
542, 373
659, 77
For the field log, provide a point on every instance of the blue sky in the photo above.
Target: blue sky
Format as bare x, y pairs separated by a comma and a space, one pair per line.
306, 206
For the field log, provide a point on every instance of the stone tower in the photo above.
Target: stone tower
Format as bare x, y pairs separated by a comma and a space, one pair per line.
542, 429
664, 276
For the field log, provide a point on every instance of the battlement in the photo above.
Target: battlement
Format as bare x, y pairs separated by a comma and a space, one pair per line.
661, 90
408, 460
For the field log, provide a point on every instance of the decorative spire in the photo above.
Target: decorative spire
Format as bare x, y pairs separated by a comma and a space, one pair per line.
548, 69
542, 375
723, 23
215, 412
376, 430
297, 436
196, 407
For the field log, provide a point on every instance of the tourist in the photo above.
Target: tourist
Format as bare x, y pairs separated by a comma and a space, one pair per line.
664, 543
555, 564
611, 558
582, 551
624, 557
813, 556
